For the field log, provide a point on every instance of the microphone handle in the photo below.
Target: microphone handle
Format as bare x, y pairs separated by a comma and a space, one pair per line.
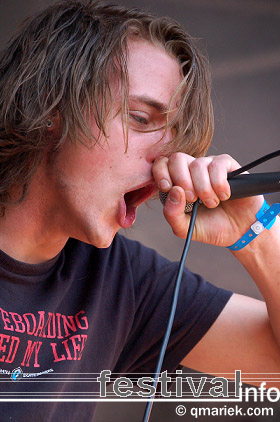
245, 185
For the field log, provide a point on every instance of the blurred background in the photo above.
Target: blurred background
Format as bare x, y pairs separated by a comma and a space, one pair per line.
242, 41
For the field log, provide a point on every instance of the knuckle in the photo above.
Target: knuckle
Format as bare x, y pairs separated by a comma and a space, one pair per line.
203, 195
183, 182
226, 157
159, 167
220, 186
160, 161
223, 159
175, 156
197, 164
206, 193
216, 165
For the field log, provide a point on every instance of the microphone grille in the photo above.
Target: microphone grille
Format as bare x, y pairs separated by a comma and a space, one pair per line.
163, 197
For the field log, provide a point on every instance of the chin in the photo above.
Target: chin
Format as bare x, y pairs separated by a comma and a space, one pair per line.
102, 240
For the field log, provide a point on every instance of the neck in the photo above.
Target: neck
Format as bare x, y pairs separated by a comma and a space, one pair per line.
29, 231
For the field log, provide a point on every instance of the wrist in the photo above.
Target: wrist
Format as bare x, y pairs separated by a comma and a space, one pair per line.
265, 220
261, 260
263, 242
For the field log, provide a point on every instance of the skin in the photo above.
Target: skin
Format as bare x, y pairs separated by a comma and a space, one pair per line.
67, 198
246, 335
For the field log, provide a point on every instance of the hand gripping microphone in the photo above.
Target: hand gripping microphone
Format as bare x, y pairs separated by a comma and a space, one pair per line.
244, 185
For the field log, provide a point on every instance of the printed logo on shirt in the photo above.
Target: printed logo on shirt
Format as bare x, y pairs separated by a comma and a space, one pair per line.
18, 374
62, 330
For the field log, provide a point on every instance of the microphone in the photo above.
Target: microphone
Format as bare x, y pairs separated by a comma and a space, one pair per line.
244, 185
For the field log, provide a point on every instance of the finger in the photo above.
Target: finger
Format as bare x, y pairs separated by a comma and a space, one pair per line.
161, 174
174, 211
201, 181
178, 166
218, 170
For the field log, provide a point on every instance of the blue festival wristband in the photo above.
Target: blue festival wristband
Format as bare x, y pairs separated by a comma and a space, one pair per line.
266, 217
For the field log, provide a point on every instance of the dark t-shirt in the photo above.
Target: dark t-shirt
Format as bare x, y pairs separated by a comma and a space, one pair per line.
88, 310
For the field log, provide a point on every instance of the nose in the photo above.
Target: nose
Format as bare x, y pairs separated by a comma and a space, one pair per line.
156, 150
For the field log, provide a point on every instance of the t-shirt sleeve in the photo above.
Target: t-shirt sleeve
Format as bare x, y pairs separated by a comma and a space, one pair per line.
199, 304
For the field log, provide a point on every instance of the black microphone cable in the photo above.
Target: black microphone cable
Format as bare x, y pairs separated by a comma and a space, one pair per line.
179, 275
172, 311
254, 163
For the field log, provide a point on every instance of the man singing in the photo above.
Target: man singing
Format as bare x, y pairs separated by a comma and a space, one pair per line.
102, 106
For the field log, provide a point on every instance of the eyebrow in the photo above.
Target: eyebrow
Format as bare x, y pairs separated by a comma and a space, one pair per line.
160, 107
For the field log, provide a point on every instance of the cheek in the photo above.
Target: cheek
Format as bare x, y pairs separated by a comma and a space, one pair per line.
81, 164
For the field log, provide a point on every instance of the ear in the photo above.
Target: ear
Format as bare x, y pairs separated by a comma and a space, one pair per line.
53, 122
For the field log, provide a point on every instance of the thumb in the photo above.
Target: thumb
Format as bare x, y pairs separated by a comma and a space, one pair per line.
174, 211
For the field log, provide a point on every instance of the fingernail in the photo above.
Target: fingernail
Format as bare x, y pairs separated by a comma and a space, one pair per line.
189, 196
210, 203
223, 196
164, 185
175, 196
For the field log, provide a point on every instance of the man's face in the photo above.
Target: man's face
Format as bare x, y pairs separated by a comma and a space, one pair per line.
92, 185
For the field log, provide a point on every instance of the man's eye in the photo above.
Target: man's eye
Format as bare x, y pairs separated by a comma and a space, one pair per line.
139, 119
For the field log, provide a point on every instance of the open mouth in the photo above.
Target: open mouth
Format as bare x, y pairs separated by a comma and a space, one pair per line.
138, 196
132, 200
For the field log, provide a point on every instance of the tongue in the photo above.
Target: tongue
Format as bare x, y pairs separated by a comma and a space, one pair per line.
132, 200
130, 216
